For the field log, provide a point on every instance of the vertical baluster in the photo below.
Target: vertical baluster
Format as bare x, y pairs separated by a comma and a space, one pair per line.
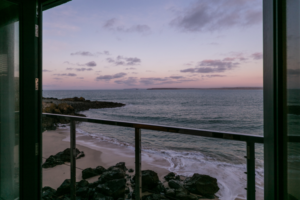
138, 173
250, 170
73, 159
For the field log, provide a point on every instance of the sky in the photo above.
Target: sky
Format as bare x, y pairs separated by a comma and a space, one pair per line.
119, 44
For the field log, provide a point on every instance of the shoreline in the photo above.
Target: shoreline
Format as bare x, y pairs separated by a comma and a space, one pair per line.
57, 140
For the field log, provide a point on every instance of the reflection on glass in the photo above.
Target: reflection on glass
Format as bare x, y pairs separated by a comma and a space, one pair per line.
293, 97
9, 101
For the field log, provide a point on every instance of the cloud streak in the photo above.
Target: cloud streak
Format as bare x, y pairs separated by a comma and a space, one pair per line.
211, 66
114, 24
217, 15
110, 77
65, 74
125, 61
87, 53
88, 64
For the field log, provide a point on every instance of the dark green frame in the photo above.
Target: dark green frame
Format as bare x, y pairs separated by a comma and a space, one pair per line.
31, 99
275, 106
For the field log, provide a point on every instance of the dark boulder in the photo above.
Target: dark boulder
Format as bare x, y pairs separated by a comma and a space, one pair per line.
100, 196
48, 193
100, 169
82, 192
64, 188
202, 184
114, 188
61, 157
82, 183
149, 179
185, 196
120, 165
175, 184
160, 188
115, 173
88, 173
170, 193
170, 176
130, 170
154, 197
52, 161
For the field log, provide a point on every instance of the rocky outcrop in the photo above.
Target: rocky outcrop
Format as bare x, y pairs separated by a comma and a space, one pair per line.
81, 104
70, 106
61, 157
115, 184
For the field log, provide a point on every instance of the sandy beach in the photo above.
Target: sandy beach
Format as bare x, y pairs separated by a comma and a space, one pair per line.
53, 143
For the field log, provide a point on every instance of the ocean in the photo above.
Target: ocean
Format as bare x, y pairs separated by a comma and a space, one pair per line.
239, 111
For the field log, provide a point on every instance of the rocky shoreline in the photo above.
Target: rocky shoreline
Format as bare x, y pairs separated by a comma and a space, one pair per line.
70, 106
117, 182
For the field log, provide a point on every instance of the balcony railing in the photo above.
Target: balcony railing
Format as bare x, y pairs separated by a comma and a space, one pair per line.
250, 141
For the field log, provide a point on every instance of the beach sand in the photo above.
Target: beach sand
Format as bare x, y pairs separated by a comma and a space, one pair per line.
55, 141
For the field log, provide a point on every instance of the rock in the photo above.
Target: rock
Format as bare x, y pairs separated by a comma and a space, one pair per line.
82, 192
65, 108
120, 165
60, 158
175, 184
52, 161
80, 155
184, 196
94, 184
82, 183
88, 173
115, 173
56, 111
99, 196
170, 194
100, 170
64, 188
48, 193
49, 123
202, 184
160, 188
154, 197
149, 179
130, 170
170, 176
114, 188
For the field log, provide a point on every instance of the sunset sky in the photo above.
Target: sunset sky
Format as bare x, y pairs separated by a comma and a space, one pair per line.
102, 44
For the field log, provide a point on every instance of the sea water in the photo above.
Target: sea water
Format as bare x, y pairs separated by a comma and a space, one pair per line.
239, 111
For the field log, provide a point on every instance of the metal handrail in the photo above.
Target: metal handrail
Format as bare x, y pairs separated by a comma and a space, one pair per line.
249, 139
172, 129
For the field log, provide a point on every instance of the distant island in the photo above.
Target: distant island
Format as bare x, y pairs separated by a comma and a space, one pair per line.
223, 88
